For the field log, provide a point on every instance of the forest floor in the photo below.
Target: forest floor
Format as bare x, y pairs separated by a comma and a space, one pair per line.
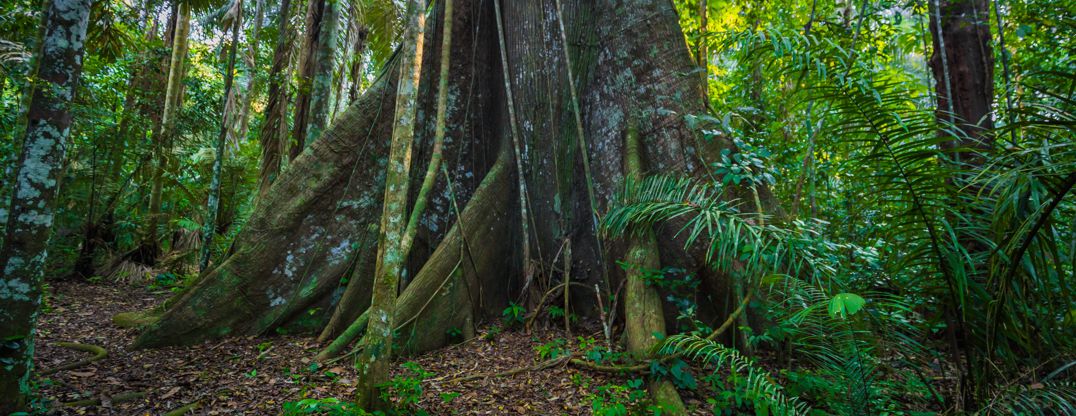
258, 375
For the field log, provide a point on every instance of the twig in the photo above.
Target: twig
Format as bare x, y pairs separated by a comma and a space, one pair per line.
539, 366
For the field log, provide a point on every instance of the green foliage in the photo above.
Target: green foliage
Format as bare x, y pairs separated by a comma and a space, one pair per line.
552, 349
621, 400
328, 406
405, 391
514, 315
766, 396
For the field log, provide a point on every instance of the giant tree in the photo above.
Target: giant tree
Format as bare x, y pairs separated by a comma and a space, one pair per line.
22, 255
542, 151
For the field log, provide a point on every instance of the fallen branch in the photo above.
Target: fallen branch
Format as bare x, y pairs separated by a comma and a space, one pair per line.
119, 398
97, 351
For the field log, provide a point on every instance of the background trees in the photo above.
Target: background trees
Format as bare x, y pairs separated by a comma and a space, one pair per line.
916, 156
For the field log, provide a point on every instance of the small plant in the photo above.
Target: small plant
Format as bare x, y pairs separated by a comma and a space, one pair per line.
514, 315
405, 391
621, 400
327, 406
678, 372
553, 349
447, 398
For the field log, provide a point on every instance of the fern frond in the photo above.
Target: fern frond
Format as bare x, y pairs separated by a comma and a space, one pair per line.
763, 391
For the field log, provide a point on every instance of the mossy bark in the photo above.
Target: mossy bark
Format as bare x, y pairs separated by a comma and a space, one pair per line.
22, 256
305, 233
644, 322
376, 356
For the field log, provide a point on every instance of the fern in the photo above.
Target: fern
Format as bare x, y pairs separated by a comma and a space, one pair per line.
766, 394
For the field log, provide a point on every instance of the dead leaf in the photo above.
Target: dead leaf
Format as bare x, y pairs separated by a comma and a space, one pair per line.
171, 392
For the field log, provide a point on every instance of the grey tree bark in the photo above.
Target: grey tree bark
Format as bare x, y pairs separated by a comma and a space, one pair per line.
23, 255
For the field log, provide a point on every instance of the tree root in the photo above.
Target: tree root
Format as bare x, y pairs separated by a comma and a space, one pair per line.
97, 351
119, 398
187, 408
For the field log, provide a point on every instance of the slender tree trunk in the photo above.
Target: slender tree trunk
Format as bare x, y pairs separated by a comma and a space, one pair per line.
644, 321
324, 65
305, 75
963, 68
250, 61
376, 357
22, 256
213, 201
356, 69
274, 130
163, 143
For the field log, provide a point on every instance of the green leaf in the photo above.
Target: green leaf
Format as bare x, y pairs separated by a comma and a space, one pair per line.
845, 305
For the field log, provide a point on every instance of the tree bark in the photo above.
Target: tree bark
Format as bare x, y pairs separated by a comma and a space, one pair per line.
22, 256
274, 130
964, 79
305, 75
150, 246
321, 87
305, 234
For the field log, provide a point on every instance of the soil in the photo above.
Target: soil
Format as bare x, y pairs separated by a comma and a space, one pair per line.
258, 375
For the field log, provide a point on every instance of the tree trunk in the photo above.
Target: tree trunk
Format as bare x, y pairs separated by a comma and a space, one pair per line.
644, 322
466, 262
274, 130
150, 246
376, 357
963, 67
250, 60
305, 75
22, 256
324, 65
213, 200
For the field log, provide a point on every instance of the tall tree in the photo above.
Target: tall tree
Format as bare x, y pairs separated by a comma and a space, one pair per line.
304, 75
321, 88
374, 363
963, 66
275, 127
213, 201
150, 246
241, 123
37, 179
311, 228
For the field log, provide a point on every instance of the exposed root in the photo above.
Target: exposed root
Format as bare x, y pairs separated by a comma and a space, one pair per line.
136, 319
119, 398
97, 351
187, 408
